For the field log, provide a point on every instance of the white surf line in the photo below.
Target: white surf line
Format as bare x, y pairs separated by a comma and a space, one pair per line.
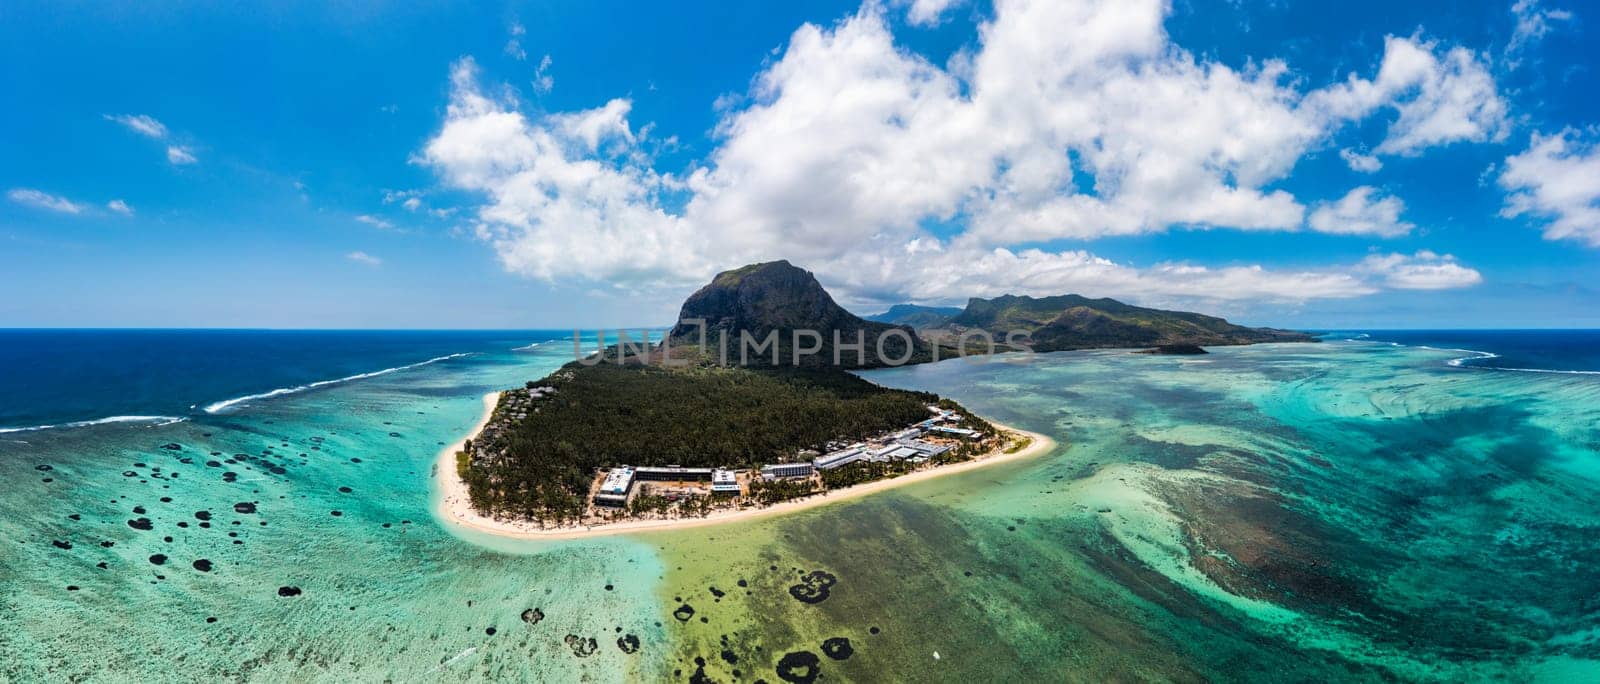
229, 403
1481, 355
157, 420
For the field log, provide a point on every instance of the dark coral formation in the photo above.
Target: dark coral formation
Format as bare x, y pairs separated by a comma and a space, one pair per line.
800, 667
629, 643
814, 587
582, 647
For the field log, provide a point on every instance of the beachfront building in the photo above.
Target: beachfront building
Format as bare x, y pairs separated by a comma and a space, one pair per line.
775, 471
840, 458
723, 481
959, 432
926, 449
671, 473
614, 489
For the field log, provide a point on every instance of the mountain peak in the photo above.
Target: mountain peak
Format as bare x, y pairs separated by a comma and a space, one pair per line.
778, 296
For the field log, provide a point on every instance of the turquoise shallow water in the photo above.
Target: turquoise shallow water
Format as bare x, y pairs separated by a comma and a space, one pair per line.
1346, 510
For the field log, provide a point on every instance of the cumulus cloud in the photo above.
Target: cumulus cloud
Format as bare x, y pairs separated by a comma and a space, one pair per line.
1557, 179
120, 207
1423, 270
926, 12
570, 194
1065, 121
44, 200
1439, 96
1362, 211
364, 258
142, 124
1358, 161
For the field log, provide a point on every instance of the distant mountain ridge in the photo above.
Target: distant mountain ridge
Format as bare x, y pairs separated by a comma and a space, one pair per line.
744, 308
917, 316
1072, 321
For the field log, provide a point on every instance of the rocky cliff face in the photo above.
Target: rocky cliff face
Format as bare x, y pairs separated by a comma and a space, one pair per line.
761, 299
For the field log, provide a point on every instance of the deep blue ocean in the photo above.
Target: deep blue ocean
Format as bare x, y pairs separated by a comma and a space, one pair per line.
1575, 351
54, 377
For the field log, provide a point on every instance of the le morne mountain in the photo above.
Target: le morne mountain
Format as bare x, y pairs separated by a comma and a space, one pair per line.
777, 297
537, 456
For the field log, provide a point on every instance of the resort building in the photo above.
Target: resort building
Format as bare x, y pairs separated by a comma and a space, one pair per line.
775, 471
959, 432
671, 473
723, 481
924, 448
839, 458
614, 490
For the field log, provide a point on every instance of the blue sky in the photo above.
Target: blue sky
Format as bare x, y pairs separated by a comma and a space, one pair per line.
421, 165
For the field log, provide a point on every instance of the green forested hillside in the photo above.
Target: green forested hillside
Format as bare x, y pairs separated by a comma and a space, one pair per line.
605, 415
1075, 322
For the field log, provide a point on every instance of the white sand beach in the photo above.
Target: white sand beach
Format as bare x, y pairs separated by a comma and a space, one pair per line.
455, 507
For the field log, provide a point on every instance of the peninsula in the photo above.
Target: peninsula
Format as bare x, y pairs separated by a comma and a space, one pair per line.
694, 429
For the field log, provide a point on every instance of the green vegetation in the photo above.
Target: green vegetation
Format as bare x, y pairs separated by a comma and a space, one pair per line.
917, 317
541, 464
862, 472
768, 492
1076, 322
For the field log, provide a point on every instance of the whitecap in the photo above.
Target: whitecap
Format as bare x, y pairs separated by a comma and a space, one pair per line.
157, 421
229, 403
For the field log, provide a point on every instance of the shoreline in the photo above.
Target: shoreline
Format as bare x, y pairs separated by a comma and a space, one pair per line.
454, 508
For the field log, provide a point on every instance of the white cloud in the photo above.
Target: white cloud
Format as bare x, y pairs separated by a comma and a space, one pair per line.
374, 221
1557, 178
412, 204
142, 124
543, 82
1067, 120
1438, 98
926, 12
1424, 270
180, 155
561, 204
1532, 25
514, 44
120, 207
1362, 211
1358, 161
44, 200
364, 258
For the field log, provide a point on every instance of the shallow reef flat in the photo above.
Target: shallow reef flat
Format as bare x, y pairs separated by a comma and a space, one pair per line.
1343, 511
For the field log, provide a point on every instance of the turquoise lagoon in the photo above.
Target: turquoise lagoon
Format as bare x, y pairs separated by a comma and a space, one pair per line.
1351, 510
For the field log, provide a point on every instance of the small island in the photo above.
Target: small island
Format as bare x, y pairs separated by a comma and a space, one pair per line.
1175, 350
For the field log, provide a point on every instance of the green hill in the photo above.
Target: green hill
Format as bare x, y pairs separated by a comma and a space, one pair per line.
1076, 322
917, 316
